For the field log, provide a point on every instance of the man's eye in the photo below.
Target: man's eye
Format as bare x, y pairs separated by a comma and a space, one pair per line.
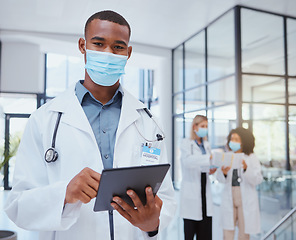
98, 44
119, 47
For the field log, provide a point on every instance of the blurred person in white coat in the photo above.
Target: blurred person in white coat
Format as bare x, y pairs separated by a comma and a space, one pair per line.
240, 205
196, 197
100, 126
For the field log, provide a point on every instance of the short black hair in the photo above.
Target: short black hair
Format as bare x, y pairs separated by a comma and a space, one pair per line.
110, 16
247, 137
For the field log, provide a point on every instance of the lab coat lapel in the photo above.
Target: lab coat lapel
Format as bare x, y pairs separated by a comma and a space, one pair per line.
73, 113
129, 113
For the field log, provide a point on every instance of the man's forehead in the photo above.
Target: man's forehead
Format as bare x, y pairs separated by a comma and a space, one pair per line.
98, 27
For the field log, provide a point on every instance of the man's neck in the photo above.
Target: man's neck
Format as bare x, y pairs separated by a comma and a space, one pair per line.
101, 93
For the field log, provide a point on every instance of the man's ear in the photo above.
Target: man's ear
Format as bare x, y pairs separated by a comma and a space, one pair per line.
129, 51
81, 45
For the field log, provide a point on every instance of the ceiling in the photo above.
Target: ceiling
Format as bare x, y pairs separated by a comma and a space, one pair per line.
163, 23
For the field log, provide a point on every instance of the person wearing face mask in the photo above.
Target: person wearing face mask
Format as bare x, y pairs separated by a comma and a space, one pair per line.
99, 125
195, 194
240, 205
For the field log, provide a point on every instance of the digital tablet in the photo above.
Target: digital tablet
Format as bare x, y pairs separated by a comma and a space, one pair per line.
116, 181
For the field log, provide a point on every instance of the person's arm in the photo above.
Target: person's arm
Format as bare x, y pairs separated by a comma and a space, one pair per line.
252, 173
33, 202
190, 157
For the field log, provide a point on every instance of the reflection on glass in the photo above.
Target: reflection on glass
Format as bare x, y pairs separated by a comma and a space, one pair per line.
178, 69
221, 92
263, 89
292, 136
262, 42
221, 47
292, 90
269, 131
178, 103
195, 61
291, 38
18, 103
62, 71
221, 121
195, 99
178, 135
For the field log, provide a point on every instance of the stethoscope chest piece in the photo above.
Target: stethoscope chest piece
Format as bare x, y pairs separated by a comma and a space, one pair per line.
51, 155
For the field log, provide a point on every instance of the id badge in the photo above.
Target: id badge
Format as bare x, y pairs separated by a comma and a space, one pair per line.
150, 156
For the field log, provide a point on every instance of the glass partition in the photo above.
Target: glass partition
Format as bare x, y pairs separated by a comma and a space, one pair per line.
221, 121
292, 90
291, 39
221, 92
258, 95
292, 136
195, 99
263, 89
195, 61
262, 42
221, 47
178, 69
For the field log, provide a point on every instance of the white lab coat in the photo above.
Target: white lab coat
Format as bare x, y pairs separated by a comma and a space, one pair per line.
37, 197
250, 178
190, 193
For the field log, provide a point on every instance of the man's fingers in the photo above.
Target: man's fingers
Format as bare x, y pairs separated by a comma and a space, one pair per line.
121, 211
136, 200
149, 197
126, 207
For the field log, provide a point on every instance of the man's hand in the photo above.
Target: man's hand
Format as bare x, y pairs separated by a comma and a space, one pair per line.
144, 217
83, 186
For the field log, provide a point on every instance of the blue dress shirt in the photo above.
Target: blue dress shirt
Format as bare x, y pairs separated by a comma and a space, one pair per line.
103, 119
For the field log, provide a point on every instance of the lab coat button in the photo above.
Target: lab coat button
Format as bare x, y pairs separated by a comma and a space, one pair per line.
103, 131
106, 156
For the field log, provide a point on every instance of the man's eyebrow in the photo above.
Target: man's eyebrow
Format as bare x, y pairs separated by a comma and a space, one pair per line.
98, 38
120, 42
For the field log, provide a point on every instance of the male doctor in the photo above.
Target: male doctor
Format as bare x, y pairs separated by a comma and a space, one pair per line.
101, 126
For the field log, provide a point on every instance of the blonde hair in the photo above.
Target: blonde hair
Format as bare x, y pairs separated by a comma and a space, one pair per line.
196, 120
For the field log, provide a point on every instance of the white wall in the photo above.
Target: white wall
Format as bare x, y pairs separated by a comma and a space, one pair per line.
22, 68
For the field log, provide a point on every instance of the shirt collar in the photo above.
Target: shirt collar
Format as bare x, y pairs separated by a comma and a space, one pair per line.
81, 91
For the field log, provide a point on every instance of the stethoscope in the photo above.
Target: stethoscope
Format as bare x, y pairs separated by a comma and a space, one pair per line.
51, 155
159, 137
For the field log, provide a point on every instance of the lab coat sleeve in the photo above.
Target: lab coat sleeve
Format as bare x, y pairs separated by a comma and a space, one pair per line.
253, 173
167, 194
33, 203
190, 157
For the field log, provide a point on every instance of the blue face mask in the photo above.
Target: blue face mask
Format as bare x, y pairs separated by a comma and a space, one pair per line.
234, 146
104, 68
202, 132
